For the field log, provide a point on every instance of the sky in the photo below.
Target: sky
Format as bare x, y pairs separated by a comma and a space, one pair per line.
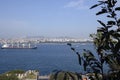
49, 18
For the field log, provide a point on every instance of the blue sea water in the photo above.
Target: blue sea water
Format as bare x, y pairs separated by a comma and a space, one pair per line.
46, 58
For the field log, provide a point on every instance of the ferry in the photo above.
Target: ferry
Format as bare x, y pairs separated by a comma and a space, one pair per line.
18, 46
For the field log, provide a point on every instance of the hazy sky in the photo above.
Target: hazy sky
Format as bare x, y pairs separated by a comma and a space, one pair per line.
51, 18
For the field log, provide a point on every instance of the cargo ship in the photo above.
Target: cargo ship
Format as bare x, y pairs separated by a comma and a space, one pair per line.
18, 46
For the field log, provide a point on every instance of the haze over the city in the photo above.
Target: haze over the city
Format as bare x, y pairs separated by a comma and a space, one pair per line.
51, 18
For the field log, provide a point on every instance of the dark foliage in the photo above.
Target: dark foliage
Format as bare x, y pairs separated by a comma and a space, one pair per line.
107, 44
65, 75
107, 38
106, 41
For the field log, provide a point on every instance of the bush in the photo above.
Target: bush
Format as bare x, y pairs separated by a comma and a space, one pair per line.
10, 77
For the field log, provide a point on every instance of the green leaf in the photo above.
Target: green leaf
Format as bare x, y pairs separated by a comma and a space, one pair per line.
117, 8
72, 76
73, 49
94, 6
117, 47
101, 12
114, 2
65, 76
98, 65
109, 26
79, 58
69, 44
113, 14
118, 22
109, 16
78, 76
102, 60
116, 35
118, 30
91, 59
101, 2
111, 23
85, 65
110, 4
101, 30
101, 23
56, 75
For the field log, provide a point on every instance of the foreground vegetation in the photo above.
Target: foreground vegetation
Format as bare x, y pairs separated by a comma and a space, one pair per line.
5, 77
12, 75
107, 45
20, 75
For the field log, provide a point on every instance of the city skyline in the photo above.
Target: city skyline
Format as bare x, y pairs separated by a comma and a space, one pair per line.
51, 18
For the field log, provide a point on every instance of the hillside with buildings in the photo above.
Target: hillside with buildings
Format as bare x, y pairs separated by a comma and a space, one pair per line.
43, 40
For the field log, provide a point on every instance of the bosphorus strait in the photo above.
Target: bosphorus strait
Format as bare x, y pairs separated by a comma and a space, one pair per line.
46, 58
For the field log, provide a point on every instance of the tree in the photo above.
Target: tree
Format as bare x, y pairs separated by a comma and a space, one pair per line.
107, 38
106, 41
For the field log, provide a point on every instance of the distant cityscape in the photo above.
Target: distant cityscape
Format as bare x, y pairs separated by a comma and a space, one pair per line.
37, 40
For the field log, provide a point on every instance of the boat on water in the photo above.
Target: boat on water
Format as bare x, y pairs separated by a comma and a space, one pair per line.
18, 46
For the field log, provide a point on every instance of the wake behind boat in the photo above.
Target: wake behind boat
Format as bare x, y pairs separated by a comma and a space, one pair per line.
18, 46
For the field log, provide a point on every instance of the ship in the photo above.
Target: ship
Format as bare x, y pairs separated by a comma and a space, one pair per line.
18, 46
